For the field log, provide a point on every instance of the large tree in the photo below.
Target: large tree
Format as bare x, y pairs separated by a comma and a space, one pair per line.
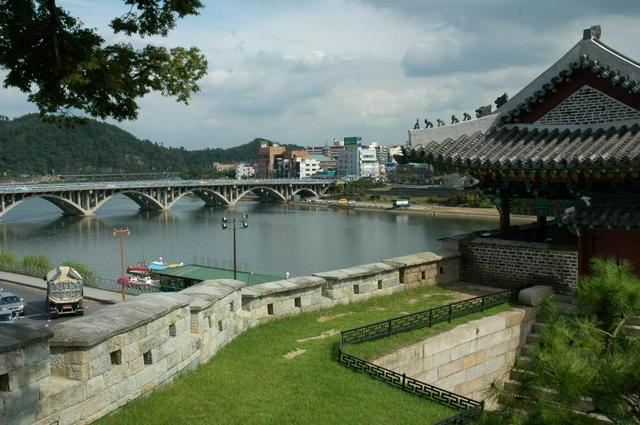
65, 67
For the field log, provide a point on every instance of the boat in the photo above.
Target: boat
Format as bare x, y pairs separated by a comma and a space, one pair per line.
158, 265
137, 281
173, 266
139, 270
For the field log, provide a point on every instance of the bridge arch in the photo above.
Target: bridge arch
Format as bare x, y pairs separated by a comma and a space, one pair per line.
68, 207
307, 190
251, 189
143, 200
205, 194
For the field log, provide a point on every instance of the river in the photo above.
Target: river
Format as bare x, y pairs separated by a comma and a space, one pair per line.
280, 238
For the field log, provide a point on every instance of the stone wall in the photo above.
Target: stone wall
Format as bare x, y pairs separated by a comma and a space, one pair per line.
516, 264
427, 268
24, 369
92, 365
468, 358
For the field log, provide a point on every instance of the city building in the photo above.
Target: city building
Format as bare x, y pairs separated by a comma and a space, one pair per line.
368, 163
268, 155
244, 171
306, 167
566, 146
222, 167
327, 164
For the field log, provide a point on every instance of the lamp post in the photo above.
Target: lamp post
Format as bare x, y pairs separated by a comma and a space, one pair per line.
225, 226
120, 233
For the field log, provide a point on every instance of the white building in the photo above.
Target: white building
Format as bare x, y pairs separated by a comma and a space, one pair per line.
307, 167
368, 163
358, 162
245, 171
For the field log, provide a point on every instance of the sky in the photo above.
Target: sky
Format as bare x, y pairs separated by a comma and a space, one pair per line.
305, 72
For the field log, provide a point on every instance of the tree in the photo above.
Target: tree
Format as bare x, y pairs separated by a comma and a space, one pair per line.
594, 355
65, 67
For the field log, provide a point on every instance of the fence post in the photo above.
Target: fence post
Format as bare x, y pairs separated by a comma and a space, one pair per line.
430, 317
482, 308
389, 327
404, 378
450, 312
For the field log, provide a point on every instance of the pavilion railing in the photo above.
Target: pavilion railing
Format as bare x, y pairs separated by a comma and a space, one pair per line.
468, 408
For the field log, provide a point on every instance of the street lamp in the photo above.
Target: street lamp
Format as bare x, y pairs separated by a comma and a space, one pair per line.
225, 226
120, 233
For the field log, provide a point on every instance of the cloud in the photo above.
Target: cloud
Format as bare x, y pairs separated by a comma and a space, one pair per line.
305, 72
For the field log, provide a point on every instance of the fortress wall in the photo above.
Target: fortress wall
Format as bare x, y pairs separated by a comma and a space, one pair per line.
468, 358
94, 364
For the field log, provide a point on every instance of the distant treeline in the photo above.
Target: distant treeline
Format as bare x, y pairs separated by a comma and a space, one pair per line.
29, 146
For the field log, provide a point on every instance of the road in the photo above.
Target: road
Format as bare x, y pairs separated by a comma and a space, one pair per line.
36, 306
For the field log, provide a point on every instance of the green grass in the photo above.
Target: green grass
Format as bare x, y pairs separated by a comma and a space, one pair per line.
251, 382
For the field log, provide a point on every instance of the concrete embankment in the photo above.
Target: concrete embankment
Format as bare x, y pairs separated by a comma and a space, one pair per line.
432, 209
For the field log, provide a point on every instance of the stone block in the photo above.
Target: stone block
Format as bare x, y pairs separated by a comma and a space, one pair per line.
449, 368
17, 399
100, 365
42, 369
11, 360
473, 359
461, 350
36, 352
95, 385
514, 318
535, 295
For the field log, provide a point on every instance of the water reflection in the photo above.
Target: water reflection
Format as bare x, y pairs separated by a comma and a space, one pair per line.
280, 238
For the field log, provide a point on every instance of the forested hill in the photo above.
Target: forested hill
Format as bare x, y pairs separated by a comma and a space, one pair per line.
30, 146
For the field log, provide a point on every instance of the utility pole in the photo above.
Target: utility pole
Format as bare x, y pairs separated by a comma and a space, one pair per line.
120, 233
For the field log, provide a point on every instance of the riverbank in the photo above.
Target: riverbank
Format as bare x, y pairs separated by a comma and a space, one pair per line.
433, 209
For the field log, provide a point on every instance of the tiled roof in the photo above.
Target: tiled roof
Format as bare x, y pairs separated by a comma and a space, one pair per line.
618, 215
522, 147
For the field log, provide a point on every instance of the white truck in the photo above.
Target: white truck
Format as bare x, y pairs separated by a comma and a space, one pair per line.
64, 292
400, 203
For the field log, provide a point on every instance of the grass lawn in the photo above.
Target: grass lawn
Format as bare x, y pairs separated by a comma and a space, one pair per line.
286, 372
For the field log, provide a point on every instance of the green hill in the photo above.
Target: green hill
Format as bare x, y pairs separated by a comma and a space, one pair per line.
30, 146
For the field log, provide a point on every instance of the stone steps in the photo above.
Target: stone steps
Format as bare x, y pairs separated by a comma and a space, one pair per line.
538, 326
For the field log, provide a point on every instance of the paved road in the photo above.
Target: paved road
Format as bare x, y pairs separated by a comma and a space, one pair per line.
36, 306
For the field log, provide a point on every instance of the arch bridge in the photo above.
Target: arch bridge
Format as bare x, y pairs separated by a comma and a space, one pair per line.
85, 198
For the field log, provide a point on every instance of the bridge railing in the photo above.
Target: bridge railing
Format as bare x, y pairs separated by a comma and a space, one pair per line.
51, 187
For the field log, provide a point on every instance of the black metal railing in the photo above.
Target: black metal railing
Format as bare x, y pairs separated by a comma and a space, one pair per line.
469, 409
424, 318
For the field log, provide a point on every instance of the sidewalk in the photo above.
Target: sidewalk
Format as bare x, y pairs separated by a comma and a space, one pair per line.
92, 294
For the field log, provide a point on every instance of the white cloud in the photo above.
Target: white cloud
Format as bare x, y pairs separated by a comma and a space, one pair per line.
304, 72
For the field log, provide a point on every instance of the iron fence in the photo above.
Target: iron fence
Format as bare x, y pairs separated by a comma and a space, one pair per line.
424, 318
114, 286
469, 409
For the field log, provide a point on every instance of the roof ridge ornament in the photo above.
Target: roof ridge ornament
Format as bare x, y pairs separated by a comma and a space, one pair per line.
592, 33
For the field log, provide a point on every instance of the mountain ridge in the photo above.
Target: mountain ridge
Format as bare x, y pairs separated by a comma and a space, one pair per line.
33, 147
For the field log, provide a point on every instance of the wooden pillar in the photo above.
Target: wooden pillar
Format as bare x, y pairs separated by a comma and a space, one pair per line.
541, 227
505, 216
584, 251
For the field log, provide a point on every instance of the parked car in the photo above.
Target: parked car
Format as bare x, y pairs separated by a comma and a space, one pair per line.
12, 303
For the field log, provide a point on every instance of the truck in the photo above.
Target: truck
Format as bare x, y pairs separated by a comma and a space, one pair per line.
400, 203
64, 292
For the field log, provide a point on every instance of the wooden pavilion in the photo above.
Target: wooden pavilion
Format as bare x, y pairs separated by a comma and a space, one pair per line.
566, 146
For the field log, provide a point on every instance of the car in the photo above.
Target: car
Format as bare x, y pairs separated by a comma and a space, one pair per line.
6, 317
12, 303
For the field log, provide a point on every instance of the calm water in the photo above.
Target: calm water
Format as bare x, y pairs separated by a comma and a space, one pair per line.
280, 238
